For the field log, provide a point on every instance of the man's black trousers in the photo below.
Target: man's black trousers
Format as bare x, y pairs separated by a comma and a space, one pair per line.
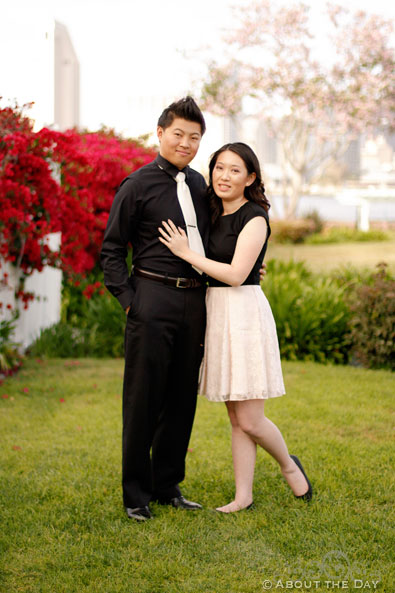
163, 351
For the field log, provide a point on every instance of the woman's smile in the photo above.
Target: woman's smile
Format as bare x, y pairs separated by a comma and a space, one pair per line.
230, 178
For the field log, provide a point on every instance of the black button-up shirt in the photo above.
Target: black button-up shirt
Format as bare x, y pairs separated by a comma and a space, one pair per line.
143, 200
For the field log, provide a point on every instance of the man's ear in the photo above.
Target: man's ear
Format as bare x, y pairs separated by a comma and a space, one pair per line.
159, 132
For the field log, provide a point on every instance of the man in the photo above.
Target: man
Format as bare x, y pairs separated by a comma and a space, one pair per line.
164, 300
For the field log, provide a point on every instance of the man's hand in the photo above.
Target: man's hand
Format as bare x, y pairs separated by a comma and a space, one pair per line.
262, 272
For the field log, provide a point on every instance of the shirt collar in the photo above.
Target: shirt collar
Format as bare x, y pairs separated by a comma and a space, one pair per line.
169, 168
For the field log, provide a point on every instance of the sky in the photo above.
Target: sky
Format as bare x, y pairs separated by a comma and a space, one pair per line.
130, 51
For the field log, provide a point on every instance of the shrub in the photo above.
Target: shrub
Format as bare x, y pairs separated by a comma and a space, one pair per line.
292, 231
346, 234
349, 276
310, 311
98, 333
58, 181
315, 217
313, 313
373, 321
104, 327
10, 358
60, 341
76, 296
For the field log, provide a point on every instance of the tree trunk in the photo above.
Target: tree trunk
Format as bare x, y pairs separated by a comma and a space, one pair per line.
294, 194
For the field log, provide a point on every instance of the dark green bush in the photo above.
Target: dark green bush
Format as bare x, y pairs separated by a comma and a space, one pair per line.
92, 322
323, 318
92, 326
100, 333
60, 341
104, 327
373, 320
349, 276
74, 302
310, 311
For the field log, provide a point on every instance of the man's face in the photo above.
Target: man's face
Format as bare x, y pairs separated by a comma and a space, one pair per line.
179, 142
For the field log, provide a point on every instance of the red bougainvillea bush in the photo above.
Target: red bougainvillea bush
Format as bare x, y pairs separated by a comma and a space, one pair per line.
58, 181
91, 167
30, 198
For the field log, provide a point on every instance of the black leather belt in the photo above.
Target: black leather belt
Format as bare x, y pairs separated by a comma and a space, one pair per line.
168, 280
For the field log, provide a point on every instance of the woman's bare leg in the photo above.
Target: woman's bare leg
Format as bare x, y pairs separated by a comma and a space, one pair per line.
251, 419
244, 456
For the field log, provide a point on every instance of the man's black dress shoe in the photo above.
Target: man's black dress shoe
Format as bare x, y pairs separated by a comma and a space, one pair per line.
139, 513
179, 502
309, 494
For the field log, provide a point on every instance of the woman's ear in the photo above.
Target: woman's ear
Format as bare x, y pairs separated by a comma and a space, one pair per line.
250, 179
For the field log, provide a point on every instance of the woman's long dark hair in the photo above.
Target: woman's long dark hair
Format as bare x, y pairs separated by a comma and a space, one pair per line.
254, 192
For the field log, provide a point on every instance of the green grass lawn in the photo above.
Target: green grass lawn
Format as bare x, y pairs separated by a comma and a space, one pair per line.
320, 258
63, 529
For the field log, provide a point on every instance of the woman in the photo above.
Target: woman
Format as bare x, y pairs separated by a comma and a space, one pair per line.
241, 364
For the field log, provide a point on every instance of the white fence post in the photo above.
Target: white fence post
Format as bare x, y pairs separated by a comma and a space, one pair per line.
363, 209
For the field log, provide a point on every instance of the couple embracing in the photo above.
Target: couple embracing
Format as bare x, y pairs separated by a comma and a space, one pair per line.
186, 236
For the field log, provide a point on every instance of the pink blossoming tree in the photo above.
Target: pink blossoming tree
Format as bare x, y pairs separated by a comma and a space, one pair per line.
313, 102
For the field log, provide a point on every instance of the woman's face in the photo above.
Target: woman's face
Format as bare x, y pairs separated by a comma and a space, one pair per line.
230, 176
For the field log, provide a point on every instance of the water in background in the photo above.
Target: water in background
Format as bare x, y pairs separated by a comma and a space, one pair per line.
330, 209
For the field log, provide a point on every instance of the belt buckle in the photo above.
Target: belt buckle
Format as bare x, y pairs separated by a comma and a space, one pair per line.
178, 283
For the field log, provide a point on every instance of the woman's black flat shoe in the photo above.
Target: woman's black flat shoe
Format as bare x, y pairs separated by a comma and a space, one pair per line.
247, 508
309, 494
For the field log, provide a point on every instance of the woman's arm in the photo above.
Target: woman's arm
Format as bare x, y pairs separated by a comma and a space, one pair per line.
248, 247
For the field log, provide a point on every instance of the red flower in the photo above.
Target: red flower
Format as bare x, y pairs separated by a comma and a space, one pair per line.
33, 203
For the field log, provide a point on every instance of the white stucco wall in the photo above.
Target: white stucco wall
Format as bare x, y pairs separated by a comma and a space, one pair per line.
44, 310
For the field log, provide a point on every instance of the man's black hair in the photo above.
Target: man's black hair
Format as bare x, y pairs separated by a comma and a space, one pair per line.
185, 108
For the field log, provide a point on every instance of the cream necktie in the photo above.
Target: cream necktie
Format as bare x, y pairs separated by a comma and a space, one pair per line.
189, 214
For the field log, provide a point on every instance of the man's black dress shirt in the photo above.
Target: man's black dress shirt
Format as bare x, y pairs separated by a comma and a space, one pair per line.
143, 200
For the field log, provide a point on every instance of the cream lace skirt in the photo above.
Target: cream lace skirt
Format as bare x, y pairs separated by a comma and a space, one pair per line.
242, 358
